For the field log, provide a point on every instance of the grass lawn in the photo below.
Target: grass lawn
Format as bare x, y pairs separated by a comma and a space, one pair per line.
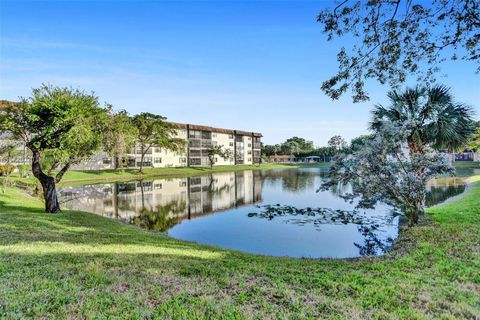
76, 176
80, 265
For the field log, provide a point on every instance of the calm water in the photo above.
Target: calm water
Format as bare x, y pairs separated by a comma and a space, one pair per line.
272, 212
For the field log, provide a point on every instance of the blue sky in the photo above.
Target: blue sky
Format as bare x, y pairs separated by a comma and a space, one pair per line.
251, 65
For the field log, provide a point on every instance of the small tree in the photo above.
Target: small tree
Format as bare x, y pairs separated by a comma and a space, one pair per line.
8, 150
337, 143
474, 139
63, 123
382, 171
153, 130
213, 151
119, 137
358, 142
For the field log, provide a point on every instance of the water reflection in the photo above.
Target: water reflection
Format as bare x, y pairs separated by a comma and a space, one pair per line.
158, 205
371, 227
443, 188
238, 210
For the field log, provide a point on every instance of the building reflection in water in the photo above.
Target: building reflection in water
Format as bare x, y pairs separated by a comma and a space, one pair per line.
160, 204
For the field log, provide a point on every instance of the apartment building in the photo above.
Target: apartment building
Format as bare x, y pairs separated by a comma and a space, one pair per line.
244, 148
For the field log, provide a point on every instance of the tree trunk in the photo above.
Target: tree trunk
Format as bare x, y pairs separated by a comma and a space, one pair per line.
50, 195
116, 162
47, 182
142, 157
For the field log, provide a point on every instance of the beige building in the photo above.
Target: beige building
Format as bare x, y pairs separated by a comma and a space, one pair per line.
244, 148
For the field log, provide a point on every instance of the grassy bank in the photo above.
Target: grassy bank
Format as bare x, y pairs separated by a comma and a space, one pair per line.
77, 264
77, 176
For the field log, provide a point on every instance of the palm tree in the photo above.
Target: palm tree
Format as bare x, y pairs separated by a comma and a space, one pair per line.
439, 121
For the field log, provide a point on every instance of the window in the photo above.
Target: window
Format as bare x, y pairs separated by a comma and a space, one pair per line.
195, 153
230, 136
195, 144
182, 160
214, 135
195, 134
249, 145
157, 186
182, 183
157, 149
249, 151
107, 161
249, 138
138, 150
195, 161
231, 144
157, 160
249, 159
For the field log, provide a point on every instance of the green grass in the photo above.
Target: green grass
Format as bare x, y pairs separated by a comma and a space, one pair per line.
80, 265
77, 176
467, 164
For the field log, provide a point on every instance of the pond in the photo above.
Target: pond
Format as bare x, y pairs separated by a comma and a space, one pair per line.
272, 212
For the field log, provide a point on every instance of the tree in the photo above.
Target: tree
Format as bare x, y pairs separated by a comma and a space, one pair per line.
474, 139
8, 150
294, 145
153, 130
270, 150
359, 142
213, 151
299, 145
440, 122
63, 122
382, 172
396, 38
337, 143
119, 137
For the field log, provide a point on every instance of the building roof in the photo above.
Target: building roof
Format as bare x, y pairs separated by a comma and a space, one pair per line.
214, 129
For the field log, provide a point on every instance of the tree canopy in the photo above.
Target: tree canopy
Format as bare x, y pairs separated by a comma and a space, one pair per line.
154, 131
337, 143
119, 137
294, 145
441, 122
398, 38
474, 139
64, 123
214, 151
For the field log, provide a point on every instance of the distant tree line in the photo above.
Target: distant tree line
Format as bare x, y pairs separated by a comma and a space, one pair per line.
301, 147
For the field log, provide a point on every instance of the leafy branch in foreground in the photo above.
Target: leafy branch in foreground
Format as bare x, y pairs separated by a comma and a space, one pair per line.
398, 38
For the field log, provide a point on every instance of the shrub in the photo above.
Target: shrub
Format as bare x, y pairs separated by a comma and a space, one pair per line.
24, 170
6, 169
